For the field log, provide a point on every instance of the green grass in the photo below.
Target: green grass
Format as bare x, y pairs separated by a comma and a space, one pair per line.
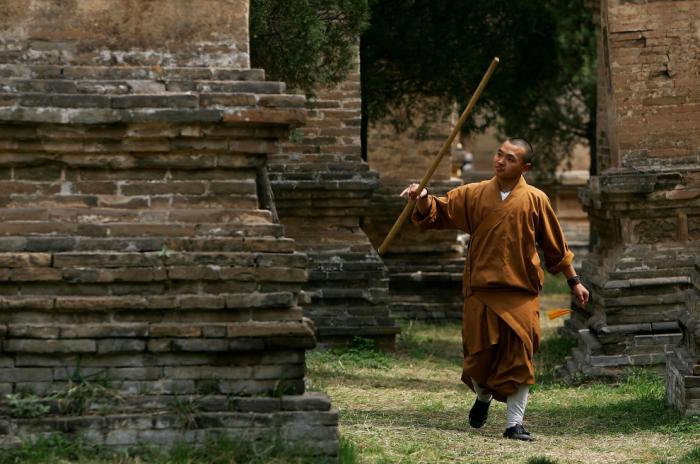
411, 407
555, 285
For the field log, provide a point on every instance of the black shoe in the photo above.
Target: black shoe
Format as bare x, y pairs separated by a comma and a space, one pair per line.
479, 413
517, 432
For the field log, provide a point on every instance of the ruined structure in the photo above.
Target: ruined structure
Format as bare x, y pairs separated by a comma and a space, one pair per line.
322, 188
644, 204
139, 248
425, 267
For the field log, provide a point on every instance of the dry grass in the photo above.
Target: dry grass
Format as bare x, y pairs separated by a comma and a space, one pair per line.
411, 407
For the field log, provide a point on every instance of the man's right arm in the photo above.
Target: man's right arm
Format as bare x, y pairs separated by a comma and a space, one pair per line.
448, 212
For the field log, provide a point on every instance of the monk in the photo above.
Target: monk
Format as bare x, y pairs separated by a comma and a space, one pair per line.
505, 218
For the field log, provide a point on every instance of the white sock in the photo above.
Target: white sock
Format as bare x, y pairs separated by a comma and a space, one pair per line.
480, 393
516, 406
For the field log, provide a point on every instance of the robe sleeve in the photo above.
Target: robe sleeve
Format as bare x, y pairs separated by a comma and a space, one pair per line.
448, 212
550, 237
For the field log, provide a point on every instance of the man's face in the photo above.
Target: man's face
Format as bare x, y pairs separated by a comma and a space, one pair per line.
508, 162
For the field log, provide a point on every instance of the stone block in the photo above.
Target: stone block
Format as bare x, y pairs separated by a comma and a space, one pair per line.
246, 344
257, 405
199, 344
175, 330
25, 260
32, 331
23, 345
121, 438
159, 345
311, 434
201, 302
26, 374
209, 372
314, 418
155, 101
259, 300
605, 361
285, 371
112, 330
310, 401
214, 331
120, 345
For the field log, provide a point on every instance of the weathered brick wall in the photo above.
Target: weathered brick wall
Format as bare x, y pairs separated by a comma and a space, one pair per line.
645, 202
399, 153
321, 188
139, 244
126, 32
425, 267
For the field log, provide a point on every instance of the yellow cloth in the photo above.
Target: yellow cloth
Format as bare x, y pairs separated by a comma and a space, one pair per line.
502, 276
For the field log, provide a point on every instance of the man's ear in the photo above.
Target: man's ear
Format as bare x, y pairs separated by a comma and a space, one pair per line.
527, 167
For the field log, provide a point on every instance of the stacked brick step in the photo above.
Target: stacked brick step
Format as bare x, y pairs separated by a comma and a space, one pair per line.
129, 422
683, 360
322, 188
139, 242
425, 267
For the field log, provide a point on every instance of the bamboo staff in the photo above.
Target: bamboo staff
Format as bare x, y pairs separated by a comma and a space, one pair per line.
408, 209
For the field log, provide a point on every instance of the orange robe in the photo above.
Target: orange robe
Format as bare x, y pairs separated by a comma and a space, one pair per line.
502, 276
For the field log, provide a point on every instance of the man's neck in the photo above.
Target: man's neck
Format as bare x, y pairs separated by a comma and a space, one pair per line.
506, 185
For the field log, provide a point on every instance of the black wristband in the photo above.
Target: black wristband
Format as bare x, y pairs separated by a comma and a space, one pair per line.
573, 281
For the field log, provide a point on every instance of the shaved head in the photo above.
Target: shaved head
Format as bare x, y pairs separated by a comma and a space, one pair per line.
529, 154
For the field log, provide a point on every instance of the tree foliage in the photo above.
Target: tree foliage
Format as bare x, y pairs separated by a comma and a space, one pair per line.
306, 42
544, 88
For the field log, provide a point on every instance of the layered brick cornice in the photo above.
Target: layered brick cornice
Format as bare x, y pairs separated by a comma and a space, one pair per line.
105, 95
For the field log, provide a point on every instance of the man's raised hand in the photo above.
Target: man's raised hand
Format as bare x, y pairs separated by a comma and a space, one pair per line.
421, 199
412, 192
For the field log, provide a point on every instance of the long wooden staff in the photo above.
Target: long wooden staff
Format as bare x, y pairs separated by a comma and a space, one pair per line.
408, 209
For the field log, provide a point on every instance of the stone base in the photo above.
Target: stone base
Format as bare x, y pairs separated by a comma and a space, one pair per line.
683, 381
593, 359
307, 423
638, 294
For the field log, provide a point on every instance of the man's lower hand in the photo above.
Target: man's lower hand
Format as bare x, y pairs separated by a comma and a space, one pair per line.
581, 294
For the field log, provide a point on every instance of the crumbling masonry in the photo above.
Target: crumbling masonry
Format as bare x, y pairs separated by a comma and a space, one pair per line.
138, 238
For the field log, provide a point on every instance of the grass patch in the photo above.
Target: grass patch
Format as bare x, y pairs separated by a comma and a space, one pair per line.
555, 285
362, 353
692, 457
416, 410
347, 452
551, 354
541, 460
